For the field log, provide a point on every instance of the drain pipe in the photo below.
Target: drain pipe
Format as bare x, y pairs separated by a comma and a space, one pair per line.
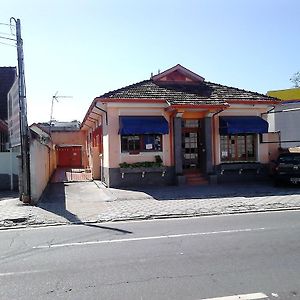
106, 120
214, 139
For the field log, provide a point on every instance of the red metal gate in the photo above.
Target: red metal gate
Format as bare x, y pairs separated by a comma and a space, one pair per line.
69, 157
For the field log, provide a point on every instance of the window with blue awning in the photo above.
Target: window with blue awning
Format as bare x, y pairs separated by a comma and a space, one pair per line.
130, 125
242, 124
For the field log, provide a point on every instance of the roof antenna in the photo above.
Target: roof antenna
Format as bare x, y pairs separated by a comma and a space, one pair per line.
55, 97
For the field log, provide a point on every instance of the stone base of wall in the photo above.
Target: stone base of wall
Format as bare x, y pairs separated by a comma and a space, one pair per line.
115, 177
242, 172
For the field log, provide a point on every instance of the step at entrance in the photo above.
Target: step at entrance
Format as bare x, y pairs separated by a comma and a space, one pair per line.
195, 178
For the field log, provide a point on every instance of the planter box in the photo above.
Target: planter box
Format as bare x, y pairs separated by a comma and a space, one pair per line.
143, 170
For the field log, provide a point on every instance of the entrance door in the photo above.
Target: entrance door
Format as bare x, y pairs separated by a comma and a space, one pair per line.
191, 144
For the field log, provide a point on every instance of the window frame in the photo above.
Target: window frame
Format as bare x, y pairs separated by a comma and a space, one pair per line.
141, 143
236, 157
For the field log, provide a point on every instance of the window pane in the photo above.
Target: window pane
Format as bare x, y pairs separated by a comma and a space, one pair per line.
238, 147
152, 142
130, 143
231, 150
224, 148
241, 151
250, 142
191, 123
133, 143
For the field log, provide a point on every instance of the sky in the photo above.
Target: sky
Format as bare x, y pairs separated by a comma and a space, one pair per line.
85, 48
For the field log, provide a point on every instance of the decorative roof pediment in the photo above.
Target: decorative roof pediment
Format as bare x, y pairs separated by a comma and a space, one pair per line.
178, 74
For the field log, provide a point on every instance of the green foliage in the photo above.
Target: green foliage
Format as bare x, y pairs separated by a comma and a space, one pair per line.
143, 164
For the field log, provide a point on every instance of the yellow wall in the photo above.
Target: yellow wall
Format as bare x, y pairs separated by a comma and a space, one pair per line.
286, 95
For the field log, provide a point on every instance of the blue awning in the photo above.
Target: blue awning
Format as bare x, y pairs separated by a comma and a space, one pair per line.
143, 125
240, 124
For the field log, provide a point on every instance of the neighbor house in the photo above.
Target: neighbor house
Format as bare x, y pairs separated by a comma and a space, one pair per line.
9, 168
191, 129
69, 142
285, 118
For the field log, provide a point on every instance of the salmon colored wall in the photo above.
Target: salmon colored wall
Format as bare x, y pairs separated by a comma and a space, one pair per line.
75, 138
114, 143
194, 115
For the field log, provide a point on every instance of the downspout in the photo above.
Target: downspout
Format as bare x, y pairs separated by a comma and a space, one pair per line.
172, 136
106, 120
269, 111
172, 145
214, 138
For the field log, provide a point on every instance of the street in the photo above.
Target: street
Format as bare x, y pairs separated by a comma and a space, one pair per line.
249, 256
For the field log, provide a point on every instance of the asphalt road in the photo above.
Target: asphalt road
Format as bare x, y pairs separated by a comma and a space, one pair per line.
251, 256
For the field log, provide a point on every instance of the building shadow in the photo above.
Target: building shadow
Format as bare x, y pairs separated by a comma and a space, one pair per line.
54, 200
213, 191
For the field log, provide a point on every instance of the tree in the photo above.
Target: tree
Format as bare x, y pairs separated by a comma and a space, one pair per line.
295, 79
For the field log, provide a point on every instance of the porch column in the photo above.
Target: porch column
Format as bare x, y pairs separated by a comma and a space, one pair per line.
178, 144
208, 144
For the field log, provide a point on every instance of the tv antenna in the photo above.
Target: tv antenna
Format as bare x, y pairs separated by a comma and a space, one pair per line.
56, 97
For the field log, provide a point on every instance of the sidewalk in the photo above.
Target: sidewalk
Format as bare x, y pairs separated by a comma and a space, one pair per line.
90, 202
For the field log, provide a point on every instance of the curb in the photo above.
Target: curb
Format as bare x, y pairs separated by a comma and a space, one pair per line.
149, 217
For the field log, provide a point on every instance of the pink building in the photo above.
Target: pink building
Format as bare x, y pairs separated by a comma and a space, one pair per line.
179, 128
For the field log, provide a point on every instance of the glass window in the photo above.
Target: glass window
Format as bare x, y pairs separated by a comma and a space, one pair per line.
191, 123
238, 147
141, 143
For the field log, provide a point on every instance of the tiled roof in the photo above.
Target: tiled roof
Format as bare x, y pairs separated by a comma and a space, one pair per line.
184, 93
7, 78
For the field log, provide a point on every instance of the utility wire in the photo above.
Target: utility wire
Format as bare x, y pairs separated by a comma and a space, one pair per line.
8, 44
5, 38
7, 24
9, 34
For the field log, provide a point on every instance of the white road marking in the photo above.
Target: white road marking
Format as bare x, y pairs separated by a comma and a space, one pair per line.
20, 273
241, 297
146, 238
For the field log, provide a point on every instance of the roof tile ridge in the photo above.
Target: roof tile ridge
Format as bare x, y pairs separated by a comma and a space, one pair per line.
124, 88
242, 90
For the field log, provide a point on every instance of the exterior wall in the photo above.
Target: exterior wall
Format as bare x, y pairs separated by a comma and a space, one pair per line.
288, 123
235, 171
262, 149
112, 156
8, 171
72, 138
114, 149
42, 166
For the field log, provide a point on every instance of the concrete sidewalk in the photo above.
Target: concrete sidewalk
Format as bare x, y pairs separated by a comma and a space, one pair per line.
83, 202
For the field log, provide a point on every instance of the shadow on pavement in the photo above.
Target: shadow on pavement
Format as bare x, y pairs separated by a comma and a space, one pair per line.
107, 228
223, 190
54, 200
